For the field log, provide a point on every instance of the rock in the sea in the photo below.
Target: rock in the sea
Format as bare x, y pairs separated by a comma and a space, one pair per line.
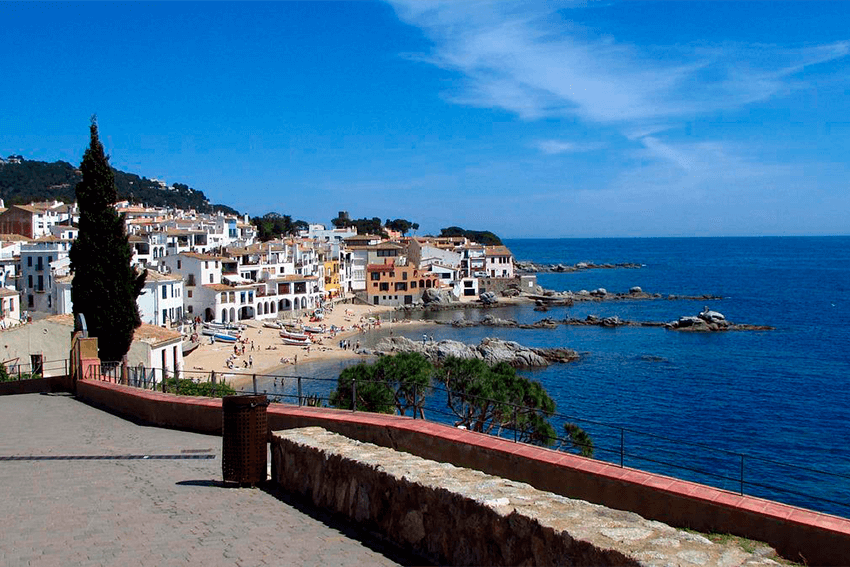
488, 298
489, 349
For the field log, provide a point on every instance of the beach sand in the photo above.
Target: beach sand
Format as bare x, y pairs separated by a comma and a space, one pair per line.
264, 347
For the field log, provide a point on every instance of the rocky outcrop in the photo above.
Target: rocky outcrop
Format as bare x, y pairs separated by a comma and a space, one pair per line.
525, 267
433, 296
490, 350
711, 321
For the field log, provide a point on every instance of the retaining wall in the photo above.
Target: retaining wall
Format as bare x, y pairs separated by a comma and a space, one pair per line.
796, 533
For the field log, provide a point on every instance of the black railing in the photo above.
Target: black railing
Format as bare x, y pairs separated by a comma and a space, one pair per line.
622, 446
19, 369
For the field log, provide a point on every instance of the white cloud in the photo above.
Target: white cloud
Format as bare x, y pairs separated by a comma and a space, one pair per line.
553, 147
525, 58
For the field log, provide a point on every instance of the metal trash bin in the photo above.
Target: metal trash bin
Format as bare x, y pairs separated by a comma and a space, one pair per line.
244, 435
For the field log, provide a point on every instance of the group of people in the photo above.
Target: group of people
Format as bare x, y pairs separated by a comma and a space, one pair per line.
346, 344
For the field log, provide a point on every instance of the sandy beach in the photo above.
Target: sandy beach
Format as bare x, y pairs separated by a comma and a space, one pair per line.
265, 353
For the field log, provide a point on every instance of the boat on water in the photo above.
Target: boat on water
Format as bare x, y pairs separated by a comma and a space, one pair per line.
296, 342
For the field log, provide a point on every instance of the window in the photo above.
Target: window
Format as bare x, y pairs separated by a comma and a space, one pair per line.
29, 281
189, 309
206, 265
375, 276
29, 261
49, 259
191, 281
164, 292
385, 286
211, 278
179, 264
30, 301
190, 294
404, 275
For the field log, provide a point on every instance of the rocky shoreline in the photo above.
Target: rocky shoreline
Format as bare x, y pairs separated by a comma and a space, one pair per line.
528, 267
491, 350
689, 324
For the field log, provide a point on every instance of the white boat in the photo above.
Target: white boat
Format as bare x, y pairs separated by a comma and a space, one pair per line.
296, 342
311, 329
271, 324
294, 336
223, 326
225, 337
189, 346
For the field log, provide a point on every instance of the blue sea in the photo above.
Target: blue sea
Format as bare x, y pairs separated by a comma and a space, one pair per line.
769, 407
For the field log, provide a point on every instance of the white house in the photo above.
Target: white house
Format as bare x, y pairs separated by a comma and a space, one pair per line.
161, 299
42, 261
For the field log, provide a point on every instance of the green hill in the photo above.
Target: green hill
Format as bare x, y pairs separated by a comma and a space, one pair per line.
23, 181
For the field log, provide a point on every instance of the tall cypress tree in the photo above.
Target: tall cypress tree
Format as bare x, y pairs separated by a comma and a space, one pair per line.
105, 285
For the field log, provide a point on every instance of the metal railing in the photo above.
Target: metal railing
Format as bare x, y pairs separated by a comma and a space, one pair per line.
734, 471
19, 369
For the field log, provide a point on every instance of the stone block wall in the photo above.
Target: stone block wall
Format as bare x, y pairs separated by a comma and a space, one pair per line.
459, 516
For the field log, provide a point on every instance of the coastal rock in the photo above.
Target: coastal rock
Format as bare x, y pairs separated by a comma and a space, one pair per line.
488, 298
491, 350
432, 295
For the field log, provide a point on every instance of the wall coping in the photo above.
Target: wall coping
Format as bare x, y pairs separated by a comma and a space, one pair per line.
657, 482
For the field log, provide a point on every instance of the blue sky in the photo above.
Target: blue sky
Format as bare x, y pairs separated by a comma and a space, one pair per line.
529, 119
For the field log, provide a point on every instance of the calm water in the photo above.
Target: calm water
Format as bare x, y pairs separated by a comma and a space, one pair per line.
780, 395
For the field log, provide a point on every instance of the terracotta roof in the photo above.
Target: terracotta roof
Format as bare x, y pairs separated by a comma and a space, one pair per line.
14, 238
6, 292
154, 276
199, 256
150, 334
497, 251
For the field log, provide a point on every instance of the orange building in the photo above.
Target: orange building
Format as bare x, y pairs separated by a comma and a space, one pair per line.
394, 285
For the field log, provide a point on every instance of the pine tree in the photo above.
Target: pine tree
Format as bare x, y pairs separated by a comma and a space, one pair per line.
105, 285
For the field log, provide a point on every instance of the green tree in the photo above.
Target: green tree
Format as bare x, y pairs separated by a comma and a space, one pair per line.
372, 395
105, 285
408, 376
401, 225
577, 439
394, 383
491, 398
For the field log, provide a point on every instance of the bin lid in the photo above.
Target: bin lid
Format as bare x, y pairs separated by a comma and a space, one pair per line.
228, 402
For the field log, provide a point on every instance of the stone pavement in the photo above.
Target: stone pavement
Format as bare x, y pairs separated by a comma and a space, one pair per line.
147, 511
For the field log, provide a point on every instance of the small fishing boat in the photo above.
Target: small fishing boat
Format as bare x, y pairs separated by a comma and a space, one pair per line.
312, 329
271, 325
225, 337
294, 336
189, 347
295, 342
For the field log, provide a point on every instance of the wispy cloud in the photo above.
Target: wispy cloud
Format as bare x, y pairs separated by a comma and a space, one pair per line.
553, 147
525, 58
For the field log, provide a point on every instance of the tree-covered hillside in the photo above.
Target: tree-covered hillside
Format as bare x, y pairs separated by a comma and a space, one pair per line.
23, 181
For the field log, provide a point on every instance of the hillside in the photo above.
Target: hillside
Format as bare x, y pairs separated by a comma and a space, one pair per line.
23, 181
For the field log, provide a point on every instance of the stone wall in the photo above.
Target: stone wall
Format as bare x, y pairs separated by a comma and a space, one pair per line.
459, 516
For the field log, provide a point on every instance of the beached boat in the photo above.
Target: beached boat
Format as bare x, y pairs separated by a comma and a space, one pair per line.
189, 347
294, 336
271, 324
295, 342
225, 337
312, 329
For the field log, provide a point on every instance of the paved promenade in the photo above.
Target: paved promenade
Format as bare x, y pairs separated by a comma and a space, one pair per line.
145, 511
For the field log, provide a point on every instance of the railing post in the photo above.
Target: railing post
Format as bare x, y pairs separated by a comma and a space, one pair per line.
353, 394
254, 381
300, 401
414, 401
163, 379
516, 425
742, 474
622, 446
